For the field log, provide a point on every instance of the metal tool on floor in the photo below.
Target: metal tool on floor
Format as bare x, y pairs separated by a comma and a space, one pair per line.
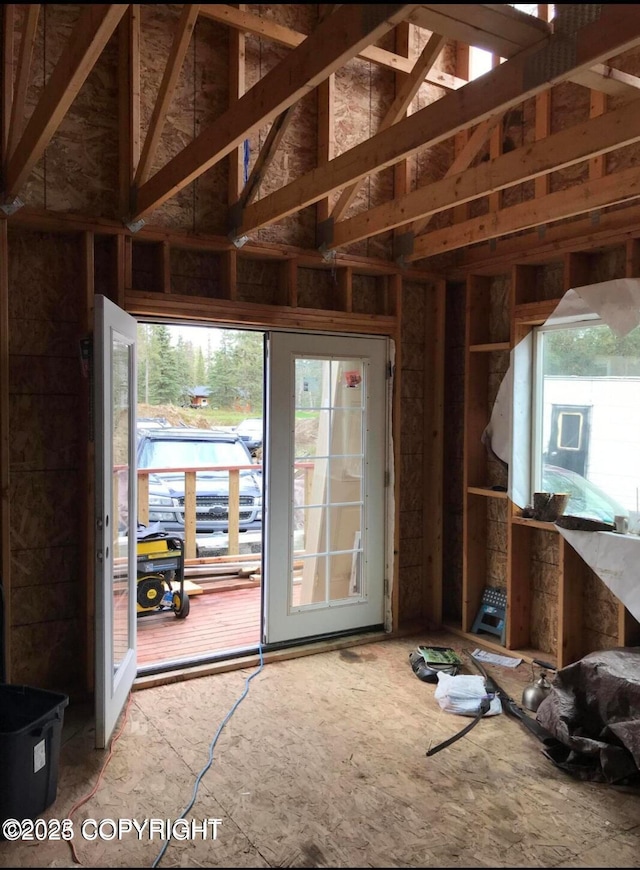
534, 694
551, 743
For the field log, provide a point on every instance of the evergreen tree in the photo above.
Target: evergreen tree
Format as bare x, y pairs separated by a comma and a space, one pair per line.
247, 365
199, 368
164, 382
183, 355
222, 378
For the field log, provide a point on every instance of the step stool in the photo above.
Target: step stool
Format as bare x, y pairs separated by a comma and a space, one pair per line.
492, 615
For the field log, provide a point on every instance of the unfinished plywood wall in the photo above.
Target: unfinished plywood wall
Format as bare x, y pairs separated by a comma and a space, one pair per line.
79, 169
46, 458
411, 472
453, 495
258, 281
296, 153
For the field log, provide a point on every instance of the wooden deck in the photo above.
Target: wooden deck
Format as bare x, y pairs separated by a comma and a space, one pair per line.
218, 622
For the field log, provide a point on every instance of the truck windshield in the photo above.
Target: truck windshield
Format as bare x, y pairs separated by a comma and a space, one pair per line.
191, 454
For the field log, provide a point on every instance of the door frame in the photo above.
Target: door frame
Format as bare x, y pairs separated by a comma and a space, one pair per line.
242, 316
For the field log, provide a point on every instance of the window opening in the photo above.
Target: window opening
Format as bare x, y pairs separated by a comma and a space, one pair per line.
586, 420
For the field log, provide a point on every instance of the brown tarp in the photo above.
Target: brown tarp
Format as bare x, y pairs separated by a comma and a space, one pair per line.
593, 709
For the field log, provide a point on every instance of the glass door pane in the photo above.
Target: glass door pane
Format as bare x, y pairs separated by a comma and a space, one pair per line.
325, 560
329, 452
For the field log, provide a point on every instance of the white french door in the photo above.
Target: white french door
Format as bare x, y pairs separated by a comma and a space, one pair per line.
116, 512
327, 437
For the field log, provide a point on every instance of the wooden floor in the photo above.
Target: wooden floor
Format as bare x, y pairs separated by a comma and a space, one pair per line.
320, 761
217, 622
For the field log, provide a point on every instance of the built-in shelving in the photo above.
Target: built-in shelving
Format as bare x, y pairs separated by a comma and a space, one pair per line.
545, 578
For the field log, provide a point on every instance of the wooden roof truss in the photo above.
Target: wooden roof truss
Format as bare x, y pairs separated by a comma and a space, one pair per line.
579, 47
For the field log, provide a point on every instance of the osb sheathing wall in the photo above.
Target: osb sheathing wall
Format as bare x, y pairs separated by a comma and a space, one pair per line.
48, 400
45, 458
412, 437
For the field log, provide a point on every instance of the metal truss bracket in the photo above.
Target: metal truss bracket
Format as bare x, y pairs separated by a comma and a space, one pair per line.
11, 206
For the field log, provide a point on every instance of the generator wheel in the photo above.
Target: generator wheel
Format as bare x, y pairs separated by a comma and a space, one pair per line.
181, 604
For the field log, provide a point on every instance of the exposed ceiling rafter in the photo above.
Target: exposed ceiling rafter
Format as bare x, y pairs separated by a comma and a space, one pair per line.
616, 30
248, 22
573, 145
577, 200
336, 39
27, 41
89, 37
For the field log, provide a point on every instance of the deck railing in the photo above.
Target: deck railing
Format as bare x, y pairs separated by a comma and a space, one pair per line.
190, 523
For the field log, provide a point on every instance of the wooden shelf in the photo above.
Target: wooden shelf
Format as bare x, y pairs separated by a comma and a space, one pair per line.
490, 347
487, 491
534, 313
536, 524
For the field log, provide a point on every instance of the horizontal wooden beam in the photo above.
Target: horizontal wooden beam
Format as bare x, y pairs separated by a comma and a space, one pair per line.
89, 37
609, 80
615, 227
197, 308
336, 39
576, 200
591, 138
70, 222
250, 23
498, 28
615, 30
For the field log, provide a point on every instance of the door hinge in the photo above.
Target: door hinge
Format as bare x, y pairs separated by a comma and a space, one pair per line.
389, 370
387, 478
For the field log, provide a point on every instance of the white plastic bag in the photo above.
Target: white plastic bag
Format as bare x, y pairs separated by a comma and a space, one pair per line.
463, 693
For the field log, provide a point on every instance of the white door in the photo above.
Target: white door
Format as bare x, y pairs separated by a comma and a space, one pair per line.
327, 436
116, 518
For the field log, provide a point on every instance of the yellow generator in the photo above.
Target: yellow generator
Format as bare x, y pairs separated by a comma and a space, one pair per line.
160, 580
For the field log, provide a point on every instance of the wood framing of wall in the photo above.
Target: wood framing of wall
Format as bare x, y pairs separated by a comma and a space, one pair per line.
146, 139
51, 281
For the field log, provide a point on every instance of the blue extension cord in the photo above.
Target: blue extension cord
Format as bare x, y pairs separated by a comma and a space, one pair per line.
211, 748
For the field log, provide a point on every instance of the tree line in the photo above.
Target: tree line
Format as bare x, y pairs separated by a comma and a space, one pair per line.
592, 351
231, 367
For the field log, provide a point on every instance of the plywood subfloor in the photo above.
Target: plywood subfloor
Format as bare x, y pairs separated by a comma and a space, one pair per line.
322, 764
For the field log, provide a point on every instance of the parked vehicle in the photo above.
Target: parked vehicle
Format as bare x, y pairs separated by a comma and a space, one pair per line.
250, 430
586, 499
152, 422
178, 448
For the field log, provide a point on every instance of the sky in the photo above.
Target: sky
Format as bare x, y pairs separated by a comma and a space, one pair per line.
197, 335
